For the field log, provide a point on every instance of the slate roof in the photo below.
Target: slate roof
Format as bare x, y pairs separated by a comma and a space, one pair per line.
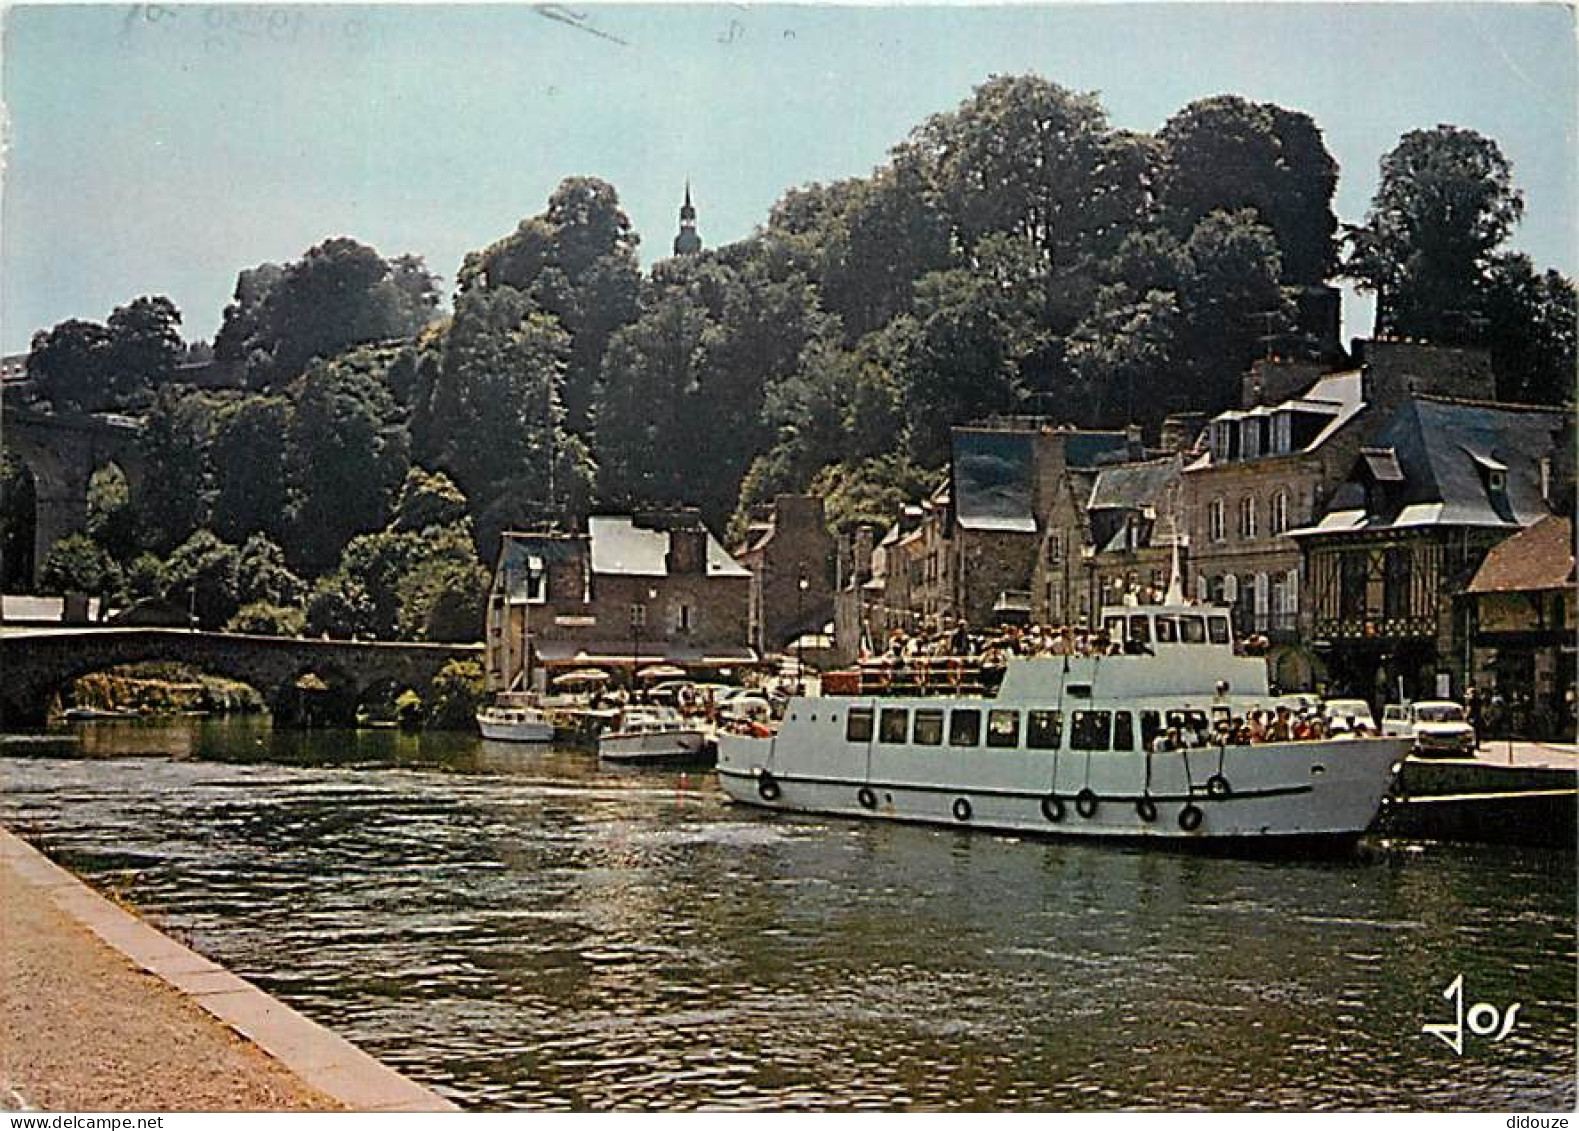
1134, 486
621, 548
1436, 460
1538, 558
992, 480
993, 470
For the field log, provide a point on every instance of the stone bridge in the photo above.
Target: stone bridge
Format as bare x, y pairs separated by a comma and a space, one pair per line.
63, 451
36, 664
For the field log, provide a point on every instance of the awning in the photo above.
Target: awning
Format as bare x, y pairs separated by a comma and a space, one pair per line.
624, 653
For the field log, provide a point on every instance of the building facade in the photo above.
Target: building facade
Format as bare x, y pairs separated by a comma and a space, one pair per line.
790, 555
631, 592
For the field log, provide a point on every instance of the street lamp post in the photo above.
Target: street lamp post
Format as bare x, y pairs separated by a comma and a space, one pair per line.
801, 585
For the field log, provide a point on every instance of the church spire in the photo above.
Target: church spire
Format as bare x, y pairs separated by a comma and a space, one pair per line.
687, 242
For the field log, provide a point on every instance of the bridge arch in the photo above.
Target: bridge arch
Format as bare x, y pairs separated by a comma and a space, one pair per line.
62, 451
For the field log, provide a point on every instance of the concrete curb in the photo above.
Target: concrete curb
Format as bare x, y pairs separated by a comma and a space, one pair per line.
320, 1058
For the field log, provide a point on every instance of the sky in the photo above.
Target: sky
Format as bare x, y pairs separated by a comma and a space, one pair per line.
160, 150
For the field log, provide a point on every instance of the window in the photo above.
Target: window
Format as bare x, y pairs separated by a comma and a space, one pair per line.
964, 727
1278, 522
1396, 591
1282, 433
1091, 730
1055, 547
536, 581
1291, 592
1003, 729
1123, 731
1167, 630
929, 727
858, 725
1193, 629
1260, 598
638, 616
1215, 526
1351, 583
683, 621
1140, 629
1044, 730
1247, 517
1218, 628
893, 725
1150, 727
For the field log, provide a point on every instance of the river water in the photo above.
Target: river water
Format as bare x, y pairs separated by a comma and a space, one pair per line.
525, 930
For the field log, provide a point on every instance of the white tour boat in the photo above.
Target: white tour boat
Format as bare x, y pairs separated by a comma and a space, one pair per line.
1065, 746
652, 734
507, 721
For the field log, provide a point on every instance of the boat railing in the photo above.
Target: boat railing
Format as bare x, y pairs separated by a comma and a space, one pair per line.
912, 676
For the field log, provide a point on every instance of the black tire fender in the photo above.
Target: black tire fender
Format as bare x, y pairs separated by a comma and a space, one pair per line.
962, 809
1190, 817
768, 787
1053, 808
866, 797
1146, 809
1086, 802
1217, 787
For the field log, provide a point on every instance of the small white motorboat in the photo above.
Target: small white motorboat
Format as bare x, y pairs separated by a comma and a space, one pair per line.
506, 723
653, 734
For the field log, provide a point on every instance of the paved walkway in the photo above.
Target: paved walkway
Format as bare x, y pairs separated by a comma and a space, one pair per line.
100, 1012
1530, 755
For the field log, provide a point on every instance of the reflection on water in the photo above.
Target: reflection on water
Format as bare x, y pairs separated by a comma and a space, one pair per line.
522, 929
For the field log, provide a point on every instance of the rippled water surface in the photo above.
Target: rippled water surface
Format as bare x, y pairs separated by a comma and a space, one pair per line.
525, 930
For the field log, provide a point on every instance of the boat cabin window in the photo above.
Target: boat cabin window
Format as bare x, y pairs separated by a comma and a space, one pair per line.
1044, 730
893, 725
929, 727
1192, 629
1114, 627
1167, 630
1091, 730
1150, 727
1123, 731
964, 727
1140, 629
1003, 729
858, 725
1219, 629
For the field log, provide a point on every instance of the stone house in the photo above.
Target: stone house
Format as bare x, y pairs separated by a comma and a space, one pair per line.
790, 555
1271, 467
1131, 518
630, 592
1019, 490
1420, 508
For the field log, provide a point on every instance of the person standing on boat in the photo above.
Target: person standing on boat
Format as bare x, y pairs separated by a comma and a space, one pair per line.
1279, 731
959, 642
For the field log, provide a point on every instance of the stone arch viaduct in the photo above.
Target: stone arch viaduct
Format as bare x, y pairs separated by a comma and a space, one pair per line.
35, 664
63, 450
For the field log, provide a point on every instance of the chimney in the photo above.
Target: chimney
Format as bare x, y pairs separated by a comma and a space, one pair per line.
687, 550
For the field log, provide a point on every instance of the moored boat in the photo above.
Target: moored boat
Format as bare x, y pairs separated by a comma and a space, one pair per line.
514, 722
1068, 745
653, 734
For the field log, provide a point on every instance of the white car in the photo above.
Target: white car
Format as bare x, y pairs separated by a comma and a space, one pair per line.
1439, 728
1349, 715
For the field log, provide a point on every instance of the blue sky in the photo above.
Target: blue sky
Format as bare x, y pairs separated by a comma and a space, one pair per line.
160, 151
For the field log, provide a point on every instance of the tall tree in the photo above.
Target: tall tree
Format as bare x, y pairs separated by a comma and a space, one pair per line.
174, 441
1225, 153
1530, 326
247, 457
70, 362
346, 455
145, 345
1444, 205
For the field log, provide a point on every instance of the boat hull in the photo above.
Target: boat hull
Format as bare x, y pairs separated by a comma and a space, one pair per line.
1298, 791
654, 747
516, 731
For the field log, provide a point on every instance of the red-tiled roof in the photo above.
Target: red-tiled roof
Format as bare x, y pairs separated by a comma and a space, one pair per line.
1538, 557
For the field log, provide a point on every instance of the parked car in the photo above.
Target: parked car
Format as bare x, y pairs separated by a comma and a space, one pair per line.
1349, 714
1440, 728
